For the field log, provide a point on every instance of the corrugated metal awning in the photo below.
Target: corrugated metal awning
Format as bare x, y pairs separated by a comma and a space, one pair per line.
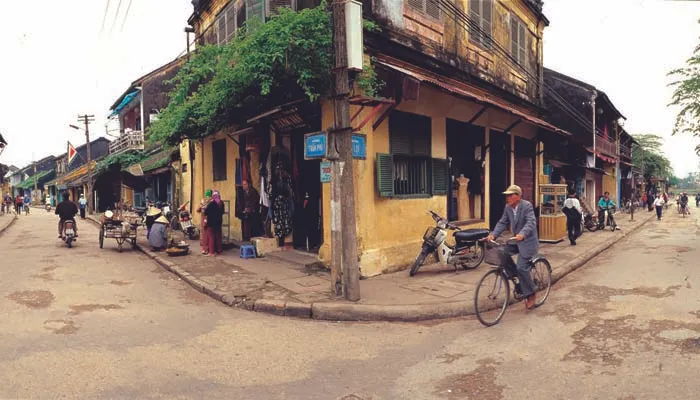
464, 90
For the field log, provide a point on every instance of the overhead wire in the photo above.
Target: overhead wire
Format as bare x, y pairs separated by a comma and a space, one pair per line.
104, 17
469, 23
116, 15
126, 15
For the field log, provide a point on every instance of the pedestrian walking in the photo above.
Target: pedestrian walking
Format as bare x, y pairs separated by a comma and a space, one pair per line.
659, 204
572, 210
82, 204
18, 204
27, 203
203, 239
215, 218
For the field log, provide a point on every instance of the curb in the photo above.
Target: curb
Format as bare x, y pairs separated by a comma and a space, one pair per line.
332, 311
2, 230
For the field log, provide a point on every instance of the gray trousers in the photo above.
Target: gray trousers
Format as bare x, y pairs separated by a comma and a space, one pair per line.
522, 268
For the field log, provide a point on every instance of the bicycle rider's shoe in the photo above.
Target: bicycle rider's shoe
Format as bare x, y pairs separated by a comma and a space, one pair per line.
530, 302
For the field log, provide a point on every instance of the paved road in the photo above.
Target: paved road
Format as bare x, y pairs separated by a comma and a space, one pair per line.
90, 323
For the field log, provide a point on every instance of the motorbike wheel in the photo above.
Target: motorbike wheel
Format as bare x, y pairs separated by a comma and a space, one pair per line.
420, 259
478, 258
69, 242
592, 227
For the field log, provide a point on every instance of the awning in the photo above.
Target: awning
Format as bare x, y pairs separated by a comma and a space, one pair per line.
558, 164
124, 103
626, 163
40, 178
464, 90
607, 159
598, 170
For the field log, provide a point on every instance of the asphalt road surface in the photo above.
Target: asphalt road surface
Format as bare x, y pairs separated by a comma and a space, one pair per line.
91, 323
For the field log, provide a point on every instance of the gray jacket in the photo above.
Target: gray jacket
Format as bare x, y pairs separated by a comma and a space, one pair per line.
524, 224
159, 235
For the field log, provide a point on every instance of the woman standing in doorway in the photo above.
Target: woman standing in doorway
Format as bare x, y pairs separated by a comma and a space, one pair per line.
214, 213
203, 241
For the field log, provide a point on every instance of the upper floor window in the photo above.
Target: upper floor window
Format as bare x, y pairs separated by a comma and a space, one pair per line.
519, 42
427, 7
481, 14
227, 22
218, 151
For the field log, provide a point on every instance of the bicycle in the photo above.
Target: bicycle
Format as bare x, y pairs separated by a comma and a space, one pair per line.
684, 210
494, 297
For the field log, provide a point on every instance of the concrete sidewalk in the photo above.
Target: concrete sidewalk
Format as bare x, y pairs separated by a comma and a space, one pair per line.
6, 220
273, 284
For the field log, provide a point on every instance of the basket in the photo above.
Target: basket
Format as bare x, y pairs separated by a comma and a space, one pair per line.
492, 254
176, 252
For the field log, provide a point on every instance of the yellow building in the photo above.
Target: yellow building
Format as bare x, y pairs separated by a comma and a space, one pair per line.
457, 122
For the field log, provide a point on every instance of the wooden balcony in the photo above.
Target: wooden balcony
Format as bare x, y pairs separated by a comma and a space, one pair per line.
129, 140
625, 153
606, 146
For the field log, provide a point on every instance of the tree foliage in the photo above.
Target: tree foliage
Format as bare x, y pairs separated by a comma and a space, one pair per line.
686, 96
649, 156
264, 65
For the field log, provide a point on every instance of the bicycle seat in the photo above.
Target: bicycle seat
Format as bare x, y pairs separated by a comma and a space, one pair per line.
469, 235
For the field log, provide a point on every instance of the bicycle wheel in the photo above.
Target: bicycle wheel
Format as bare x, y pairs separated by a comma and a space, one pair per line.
542, 277
491, 297
613, 224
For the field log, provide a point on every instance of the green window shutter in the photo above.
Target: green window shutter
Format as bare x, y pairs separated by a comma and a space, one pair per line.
255, 8
385, 175
273, 6
440, 180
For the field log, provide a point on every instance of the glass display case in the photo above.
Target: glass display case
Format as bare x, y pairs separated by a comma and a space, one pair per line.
552, 218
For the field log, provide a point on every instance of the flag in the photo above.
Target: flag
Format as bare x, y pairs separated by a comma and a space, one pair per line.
71, 153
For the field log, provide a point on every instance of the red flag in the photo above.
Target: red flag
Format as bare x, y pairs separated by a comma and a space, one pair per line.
71, 153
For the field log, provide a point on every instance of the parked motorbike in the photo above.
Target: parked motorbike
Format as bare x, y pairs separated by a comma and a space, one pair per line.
68, 234
184, 223
468, 251
589, 222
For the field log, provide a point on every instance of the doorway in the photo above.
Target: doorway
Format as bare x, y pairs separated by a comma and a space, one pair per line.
465, 143
307, 219
499, 175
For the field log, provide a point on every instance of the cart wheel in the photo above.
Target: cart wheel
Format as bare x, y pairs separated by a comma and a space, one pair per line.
133, 243
119, 247
102, 237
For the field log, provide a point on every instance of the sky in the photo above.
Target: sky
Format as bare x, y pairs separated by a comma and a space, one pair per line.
625, 48
59, 61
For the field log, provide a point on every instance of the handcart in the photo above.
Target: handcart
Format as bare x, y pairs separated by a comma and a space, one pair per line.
121, 228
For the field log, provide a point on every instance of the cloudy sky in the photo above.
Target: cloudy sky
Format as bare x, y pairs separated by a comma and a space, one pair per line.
626, 48
59, 61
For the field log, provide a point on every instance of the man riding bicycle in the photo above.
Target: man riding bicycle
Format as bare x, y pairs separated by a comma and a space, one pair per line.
684, 202
519, 217
604, 204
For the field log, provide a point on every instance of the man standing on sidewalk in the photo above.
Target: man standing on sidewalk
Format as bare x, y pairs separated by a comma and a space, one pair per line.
519, 217
573, 212
82, 203
659, 204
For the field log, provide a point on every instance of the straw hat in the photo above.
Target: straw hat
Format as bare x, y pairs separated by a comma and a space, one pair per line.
152, 212
162, 220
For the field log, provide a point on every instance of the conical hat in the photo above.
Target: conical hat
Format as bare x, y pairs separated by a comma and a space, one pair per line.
152, 212
162, 220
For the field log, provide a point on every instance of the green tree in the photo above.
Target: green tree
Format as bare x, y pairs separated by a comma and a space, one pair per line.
649, 156
686, 96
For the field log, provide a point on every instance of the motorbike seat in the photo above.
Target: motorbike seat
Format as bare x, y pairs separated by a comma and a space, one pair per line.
468, 235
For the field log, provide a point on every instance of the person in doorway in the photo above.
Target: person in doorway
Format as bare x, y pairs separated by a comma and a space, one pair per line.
66, 211
203, 240
519, 217
158, 239
250, 215
214, 213
282, 200
572, 210
659, 204
82, 204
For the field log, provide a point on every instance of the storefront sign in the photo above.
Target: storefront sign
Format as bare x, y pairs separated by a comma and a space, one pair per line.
325, 171
359, 146
315, 145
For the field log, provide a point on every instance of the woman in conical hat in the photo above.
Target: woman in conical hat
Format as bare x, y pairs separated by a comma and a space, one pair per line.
158, 239
151, 215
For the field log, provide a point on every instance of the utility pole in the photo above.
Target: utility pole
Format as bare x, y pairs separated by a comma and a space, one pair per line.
344, 231
87, 119
35, 183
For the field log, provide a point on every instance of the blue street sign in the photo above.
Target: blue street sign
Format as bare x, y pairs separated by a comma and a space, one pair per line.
359, 146
325, 171
315, 145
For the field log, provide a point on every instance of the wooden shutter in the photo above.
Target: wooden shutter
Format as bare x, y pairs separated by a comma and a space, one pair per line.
421, 141
415, 4
475, 16
221, 29
522, 54
240, 14
273, 6
230, 21
440, 180
385, 175
432, 8
486, 18
255, 8
514, 37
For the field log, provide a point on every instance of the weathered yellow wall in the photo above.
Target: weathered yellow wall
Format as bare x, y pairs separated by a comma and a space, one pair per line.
610, 180
185, 186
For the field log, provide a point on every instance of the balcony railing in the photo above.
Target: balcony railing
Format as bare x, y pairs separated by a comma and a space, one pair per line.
606, 146
625, 152
129, 140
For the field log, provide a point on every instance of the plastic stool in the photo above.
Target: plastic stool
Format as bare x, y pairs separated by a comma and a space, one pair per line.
247, 251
